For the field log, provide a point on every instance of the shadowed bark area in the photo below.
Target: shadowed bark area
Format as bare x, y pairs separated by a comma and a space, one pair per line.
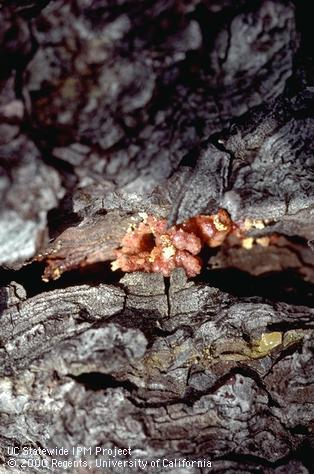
111, 111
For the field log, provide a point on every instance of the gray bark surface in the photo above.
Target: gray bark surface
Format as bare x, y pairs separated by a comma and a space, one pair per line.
172, 108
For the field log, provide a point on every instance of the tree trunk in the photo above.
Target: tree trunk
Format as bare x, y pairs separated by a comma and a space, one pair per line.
114, 110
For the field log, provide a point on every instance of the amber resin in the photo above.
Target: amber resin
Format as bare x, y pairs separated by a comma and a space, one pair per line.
152, 247
145, 243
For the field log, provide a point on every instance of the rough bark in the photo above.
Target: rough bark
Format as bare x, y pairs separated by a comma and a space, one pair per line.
172, 108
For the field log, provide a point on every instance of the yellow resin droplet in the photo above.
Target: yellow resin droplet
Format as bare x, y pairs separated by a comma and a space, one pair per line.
56, 273
263, 241
258, 224
220, 226
114, 266
248, 243
168, 252
268, 341
253, 223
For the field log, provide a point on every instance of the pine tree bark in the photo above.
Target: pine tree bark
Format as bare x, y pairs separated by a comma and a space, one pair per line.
169, 108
